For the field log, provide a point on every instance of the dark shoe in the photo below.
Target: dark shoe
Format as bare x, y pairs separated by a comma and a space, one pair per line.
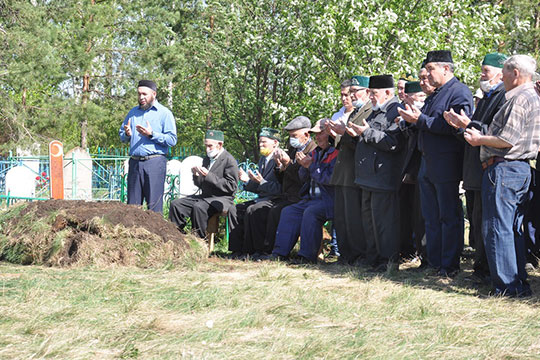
300, 260
272, 257
381, 268
478, 278
341, 261
235, 255
449, 274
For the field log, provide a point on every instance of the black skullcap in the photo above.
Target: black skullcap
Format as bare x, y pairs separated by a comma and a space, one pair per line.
381, 82
439, 56
148, 83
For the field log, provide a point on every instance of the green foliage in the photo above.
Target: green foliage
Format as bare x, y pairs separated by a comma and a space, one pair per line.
235, 65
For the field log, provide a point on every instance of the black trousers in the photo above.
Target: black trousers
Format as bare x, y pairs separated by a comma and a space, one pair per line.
191, 207
412, 228
380, 216
348, 223
470, 200
480, 264
272, 223
247, 226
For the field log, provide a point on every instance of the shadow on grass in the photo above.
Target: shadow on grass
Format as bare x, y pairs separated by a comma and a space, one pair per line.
412, 276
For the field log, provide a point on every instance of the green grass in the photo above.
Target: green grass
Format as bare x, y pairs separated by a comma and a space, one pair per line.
223, 309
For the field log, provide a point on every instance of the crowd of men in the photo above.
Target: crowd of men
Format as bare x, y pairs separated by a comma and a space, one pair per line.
385, 170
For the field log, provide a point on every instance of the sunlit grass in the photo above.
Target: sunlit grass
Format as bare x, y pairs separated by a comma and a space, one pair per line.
223, 309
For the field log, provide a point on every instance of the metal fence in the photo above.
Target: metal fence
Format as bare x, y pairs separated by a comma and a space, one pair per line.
108, 180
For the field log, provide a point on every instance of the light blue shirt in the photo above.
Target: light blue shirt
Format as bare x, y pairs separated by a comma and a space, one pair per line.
163, 126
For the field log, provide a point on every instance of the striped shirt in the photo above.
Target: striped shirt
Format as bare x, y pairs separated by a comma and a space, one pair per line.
517, 123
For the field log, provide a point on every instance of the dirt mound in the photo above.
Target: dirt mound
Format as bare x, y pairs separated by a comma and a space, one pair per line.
62, 233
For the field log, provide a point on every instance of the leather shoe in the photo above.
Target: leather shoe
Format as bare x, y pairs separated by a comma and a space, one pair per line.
300, 260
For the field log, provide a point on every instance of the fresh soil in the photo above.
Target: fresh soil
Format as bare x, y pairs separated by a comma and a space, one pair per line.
113, 212
72, 232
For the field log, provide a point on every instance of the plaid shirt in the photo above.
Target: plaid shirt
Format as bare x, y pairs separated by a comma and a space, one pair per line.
517, 123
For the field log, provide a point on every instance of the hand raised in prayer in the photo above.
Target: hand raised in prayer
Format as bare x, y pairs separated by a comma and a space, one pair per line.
127, 128
146, 131
459, 121
303, 159
255, 176
359, 129
336, 127
410, 114
244, 177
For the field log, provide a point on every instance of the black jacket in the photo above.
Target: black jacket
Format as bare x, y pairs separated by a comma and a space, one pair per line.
380, 151
270, 187
482, 117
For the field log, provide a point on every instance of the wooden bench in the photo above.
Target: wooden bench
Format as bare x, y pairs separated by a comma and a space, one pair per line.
212, 229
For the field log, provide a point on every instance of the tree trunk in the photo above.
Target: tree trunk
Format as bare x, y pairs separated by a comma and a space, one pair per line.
84, 121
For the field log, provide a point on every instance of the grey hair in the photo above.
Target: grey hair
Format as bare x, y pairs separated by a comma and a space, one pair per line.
450, 65
525, 64
346, 83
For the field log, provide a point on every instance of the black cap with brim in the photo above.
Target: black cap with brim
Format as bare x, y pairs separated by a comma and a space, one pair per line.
300, 122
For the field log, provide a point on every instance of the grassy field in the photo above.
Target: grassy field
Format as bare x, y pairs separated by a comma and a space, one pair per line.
224, 309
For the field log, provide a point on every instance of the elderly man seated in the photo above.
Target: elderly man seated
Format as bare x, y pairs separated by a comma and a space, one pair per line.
307, 217
247, 220
217, 178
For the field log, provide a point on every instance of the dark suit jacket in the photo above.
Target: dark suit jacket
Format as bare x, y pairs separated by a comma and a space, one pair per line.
380, 151
270, 186
219, 186
289, 179
344, 169
442, 150
482, 117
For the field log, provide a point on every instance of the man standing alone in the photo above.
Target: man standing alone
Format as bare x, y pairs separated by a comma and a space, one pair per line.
150, 129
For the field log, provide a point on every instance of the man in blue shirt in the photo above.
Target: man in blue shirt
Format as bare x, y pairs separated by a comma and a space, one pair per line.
150, 129
442, 161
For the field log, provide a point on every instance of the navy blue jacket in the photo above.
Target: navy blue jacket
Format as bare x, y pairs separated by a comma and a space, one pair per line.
441, 148
319, 173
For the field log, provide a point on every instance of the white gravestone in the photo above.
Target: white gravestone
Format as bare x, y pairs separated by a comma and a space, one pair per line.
187, 187
21, 181
78, 174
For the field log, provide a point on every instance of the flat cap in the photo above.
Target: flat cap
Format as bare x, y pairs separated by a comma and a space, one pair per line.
320, 125
214, 135
299, 122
